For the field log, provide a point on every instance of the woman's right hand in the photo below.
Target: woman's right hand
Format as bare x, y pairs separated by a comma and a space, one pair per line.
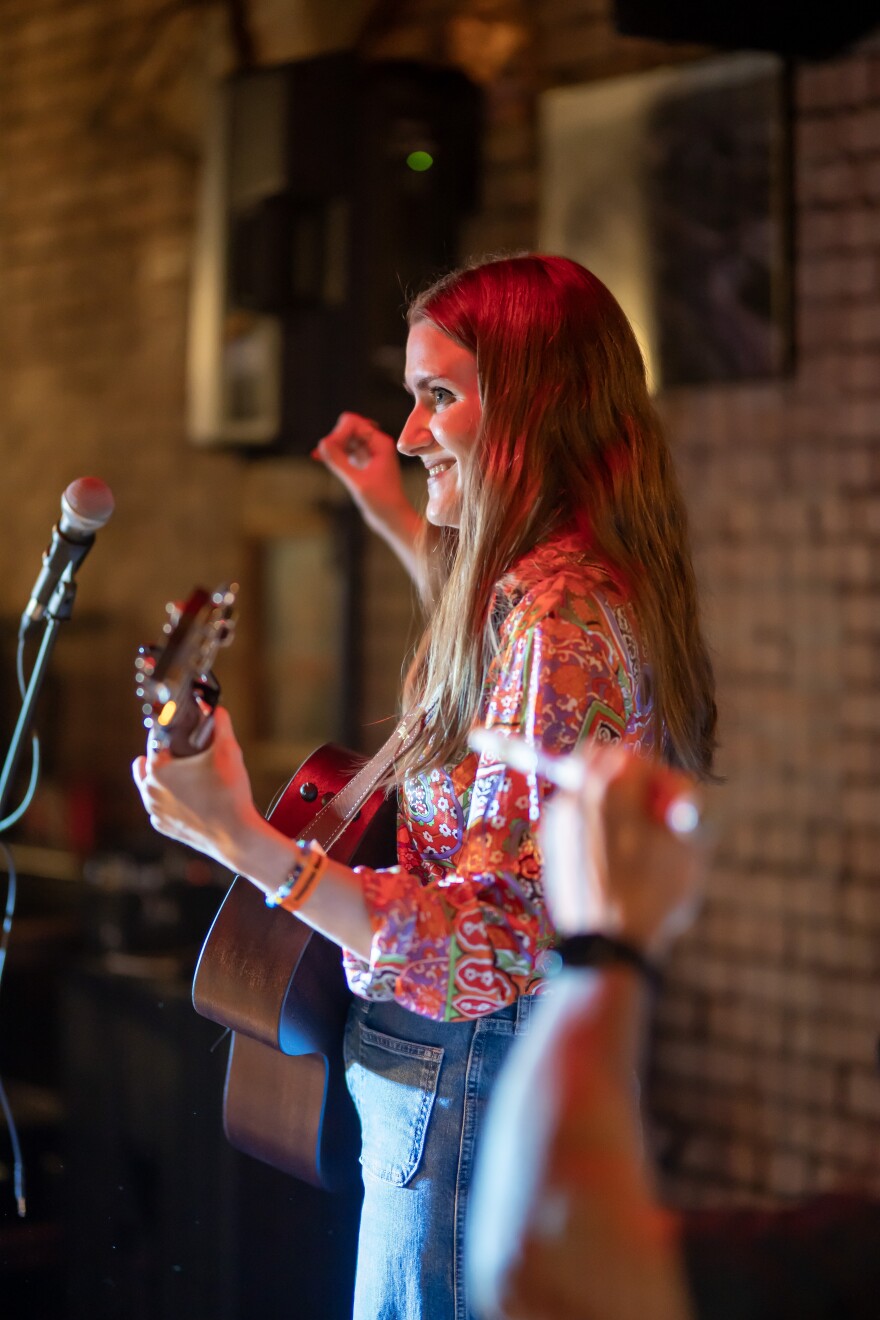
365, 460
204, 801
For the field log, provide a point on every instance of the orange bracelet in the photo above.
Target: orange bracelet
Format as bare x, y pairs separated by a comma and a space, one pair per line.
301, 879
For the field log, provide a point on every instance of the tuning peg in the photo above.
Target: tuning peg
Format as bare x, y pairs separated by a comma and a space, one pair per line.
225, 595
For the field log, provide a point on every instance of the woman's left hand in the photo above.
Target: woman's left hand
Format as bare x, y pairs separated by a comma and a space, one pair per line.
204, 801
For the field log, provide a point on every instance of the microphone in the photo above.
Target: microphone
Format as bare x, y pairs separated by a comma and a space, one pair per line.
86, 505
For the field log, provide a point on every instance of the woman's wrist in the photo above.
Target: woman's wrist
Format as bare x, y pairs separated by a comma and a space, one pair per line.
600, 950
261, 853
401, 532
397, 523
645, 924
302, 879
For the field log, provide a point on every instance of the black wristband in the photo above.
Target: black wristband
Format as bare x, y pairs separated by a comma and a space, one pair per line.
598, 950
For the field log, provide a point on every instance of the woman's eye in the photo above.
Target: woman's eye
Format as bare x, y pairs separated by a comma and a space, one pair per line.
441, 396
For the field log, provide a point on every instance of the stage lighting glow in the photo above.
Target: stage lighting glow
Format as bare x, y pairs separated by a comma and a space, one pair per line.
420, 161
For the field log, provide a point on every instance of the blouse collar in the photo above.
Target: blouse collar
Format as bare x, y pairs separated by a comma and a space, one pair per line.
563, 550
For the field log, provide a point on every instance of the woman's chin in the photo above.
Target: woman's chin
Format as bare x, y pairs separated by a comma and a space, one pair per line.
443, 513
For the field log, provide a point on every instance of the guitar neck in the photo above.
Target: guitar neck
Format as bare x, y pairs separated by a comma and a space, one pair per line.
191, 731
176, 681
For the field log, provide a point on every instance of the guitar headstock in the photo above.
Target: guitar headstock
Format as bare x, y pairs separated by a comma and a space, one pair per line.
175, 681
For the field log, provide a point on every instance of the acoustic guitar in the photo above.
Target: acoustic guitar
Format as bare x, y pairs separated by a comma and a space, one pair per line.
269, 977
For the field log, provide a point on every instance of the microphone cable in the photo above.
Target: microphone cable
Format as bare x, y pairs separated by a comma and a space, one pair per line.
15, 816
18, 1178
17, 1159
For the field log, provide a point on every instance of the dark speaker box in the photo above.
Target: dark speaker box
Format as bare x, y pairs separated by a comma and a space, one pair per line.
330, 220
789, 29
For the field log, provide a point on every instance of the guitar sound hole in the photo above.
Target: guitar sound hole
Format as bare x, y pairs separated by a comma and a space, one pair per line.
308, 791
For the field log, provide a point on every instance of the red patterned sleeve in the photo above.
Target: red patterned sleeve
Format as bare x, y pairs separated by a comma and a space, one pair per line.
458, 926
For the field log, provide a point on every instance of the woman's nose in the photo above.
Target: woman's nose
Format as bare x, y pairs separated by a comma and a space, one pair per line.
415, 435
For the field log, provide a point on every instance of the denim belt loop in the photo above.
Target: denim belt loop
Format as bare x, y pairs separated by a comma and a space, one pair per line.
523, 1013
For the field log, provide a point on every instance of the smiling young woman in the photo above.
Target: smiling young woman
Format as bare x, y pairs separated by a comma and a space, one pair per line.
561, 606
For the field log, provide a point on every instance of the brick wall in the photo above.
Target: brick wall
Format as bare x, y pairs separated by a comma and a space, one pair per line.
97, 212
765, 1078
767, 1058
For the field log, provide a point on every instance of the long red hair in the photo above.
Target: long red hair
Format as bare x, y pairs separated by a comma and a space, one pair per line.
569, 438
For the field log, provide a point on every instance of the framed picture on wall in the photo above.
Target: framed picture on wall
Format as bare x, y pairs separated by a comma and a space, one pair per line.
673, 187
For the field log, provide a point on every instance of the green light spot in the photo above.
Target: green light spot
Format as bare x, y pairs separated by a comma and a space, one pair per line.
420, 161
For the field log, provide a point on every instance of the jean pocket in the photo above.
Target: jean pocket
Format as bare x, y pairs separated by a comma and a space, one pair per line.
393, 1083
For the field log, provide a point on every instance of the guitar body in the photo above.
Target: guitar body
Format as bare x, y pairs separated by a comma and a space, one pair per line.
280, 986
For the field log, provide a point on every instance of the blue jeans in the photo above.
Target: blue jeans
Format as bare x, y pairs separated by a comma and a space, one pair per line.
421, 1089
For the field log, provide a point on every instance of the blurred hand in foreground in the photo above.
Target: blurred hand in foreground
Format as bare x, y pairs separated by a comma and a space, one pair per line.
613, 862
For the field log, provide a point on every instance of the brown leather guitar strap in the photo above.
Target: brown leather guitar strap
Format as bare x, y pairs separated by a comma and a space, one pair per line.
333, 818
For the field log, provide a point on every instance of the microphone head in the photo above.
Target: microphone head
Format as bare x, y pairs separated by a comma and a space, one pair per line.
85, 506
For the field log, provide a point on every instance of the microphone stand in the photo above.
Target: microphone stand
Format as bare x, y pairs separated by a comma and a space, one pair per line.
57, 612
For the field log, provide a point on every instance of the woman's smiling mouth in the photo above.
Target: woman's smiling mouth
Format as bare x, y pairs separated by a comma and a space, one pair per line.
436, 469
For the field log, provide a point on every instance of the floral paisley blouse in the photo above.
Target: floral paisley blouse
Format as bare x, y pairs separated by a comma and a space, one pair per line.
459, 925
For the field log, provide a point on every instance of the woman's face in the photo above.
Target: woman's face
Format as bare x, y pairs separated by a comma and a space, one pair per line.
442, 428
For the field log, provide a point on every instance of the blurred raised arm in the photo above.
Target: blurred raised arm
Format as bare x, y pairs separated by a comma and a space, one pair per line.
565, 1221
365, 460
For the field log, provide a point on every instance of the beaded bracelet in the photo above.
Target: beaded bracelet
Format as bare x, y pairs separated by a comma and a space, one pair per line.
301, 879
599, 950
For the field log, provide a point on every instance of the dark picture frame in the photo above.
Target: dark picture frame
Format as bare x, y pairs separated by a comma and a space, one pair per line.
673, 187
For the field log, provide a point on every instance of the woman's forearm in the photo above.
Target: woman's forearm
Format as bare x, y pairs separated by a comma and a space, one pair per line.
335, 907
401, 532
570, 1229
596, 1243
